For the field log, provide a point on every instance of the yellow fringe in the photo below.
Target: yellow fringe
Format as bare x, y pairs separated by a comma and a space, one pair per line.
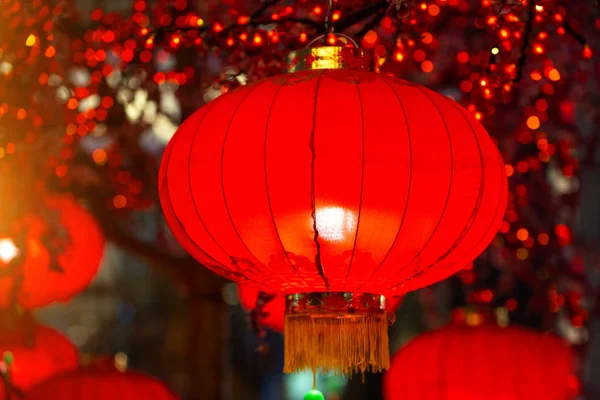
344, 344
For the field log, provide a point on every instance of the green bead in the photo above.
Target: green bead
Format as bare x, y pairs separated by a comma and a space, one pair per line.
8, 357
314, 395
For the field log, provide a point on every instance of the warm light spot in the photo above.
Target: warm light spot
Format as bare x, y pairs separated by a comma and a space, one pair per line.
423, 6
495, 50
522, 254
119, 201
473, 319
50, 52
462, 57
587, 52
336, 16
433, 10
427, 38
257, 39
511, 304
200, 22
487, 296
303, 37
398, 56
427, 66
478, 116
539, 8
554, 75
243, 19
30, 40
334, 223
522, 234
331, 39
543, 239
492, 20
317, 10
533, 122
99, 156
503, 33
535, 75
419, 55
8, 250
72, 103
61, 171
217, 27
370, 38
509, 170
483, 82
538, 49
21, 113
230, 41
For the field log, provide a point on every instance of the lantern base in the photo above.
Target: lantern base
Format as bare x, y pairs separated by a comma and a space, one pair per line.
344, 333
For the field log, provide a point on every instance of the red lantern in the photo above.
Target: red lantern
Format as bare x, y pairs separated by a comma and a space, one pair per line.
50, 255
336, 187
101, 383
461, 362
37, 353
272, 314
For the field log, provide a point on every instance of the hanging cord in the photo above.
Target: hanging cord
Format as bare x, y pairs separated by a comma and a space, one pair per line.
329, 28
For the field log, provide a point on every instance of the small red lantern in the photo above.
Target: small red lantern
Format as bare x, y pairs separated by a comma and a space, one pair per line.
101, 383
461, 362
272, 313
49, 255
336, 188
34, 353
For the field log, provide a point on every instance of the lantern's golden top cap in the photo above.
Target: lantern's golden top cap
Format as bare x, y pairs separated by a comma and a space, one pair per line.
344, 53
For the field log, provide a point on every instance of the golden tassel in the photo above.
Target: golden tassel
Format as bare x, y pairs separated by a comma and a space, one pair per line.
343, 343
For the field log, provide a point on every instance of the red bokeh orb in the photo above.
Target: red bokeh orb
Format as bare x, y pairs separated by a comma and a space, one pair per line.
49, 255
101, 383
39, 352
461, 362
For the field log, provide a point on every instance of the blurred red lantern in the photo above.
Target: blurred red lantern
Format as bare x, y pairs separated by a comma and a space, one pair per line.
337, 187
461, 362
37, 353
101, 383
272, 313
49, 255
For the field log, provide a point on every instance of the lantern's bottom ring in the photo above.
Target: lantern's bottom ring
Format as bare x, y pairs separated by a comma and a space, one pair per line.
334, 302
344, 333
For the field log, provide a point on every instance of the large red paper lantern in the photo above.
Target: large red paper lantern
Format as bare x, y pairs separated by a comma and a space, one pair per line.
49, 255
484, 362
38, 352
101, 383
273, 312
335, 187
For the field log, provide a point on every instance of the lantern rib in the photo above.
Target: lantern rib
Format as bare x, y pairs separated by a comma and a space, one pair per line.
498, 208
318, 263
214, 103
408, 190
167, 155
362, 179
491, 227
399, 271
250, 91
267, 186
473, 216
